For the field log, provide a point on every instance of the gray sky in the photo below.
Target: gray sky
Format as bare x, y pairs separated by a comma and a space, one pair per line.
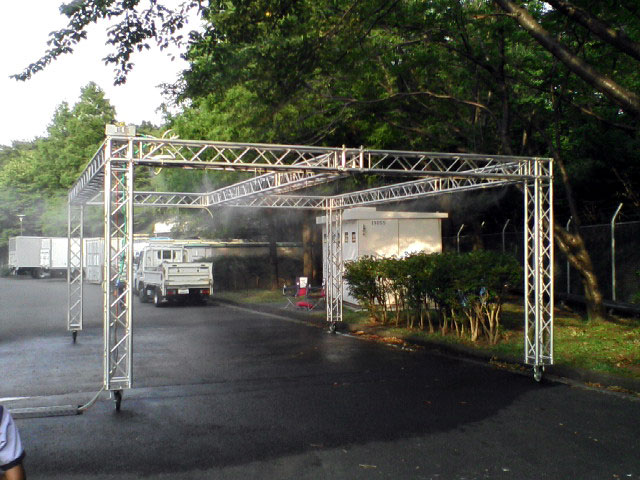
26, 108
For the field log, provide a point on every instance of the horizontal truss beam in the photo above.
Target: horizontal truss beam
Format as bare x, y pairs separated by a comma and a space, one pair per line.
278, 159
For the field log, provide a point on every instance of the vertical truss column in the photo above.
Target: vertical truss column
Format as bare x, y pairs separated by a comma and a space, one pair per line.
538, 214
118, 269
75, 221
334, 266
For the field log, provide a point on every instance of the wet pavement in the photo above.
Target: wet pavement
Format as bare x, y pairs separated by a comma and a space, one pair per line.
225, 392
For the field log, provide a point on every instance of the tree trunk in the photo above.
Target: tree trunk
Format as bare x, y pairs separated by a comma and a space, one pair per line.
572, 245
307, 246
617, 38
623, 97
273, 250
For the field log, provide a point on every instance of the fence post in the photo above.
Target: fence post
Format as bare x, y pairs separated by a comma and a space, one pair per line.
568, 265
503, 230
613, 253
458, 237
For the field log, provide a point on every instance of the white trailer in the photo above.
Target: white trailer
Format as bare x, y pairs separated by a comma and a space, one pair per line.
94, 256
368, 232
38, 256
53, 255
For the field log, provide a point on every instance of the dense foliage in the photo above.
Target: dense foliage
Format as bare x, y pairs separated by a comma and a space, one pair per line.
459, 293
557, 78
35, 176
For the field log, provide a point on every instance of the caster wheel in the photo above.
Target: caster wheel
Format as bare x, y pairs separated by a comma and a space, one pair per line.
74, 335
117, 397
332, 328
537, 372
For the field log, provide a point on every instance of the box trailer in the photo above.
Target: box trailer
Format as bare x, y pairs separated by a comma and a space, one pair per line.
38, 256
368, 232
53, 255
94, 256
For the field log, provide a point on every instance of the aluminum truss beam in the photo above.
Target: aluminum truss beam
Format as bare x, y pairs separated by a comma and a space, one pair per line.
538, 227
270, 196
334, 264
118, 274
272, 183
75, 241
289, 168
281, 158
374, 196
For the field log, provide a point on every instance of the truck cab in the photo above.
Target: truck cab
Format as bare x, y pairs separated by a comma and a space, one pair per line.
152, 257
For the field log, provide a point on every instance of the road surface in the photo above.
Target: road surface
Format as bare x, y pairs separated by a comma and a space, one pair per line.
224, 392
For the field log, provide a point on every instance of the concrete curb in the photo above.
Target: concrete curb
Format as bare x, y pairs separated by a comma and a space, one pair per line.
587, 377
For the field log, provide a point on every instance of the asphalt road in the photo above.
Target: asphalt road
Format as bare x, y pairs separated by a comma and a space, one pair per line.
223, 392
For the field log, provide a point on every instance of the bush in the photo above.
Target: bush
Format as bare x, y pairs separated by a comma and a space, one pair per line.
466, 290
362, 276
5, 271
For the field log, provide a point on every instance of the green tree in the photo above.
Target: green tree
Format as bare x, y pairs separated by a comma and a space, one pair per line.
36, 176
551, 79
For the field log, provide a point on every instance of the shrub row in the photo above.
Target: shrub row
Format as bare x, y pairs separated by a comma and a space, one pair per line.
454, 293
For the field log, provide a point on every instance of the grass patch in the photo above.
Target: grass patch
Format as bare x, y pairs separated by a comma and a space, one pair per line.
252, 296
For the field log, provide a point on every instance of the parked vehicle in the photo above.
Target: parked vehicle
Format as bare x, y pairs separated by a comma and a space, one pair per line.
39, 256
165, 273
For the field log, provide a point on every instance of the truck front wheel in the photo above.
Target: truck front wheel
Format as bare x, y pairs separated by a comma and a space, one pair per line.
142, 294
157, 297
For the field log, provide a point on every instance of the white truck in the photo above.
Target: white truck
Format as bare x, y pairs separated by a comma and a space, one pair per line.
39, 256
165, 273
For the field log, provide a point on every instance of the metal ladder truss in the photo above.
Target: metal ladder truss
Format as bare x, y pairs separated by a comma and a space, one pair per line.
280, 171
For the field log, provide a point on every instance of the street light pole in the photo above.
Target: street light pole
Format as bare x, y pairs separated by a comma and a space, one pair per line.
21, 217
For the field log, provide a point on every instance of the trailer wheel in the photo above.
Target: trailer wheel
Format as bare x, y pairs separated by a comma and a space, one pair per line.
157, 298
38, 273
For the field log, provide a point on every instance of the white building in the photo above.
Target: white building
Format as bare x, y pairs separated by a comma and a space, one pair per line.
368, 232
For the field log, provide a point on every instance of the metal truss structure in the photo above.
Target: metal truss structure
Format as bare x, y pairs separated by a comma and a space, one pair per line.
281, 171
75, 276
538, 200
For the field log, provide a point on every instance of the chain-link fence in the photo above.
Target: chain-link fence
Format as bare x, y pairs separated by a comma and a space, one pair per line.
616, 258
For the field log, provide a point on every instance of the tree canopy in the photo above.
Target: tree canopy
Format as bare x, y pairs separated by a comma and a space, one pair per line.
557, 78
35, 176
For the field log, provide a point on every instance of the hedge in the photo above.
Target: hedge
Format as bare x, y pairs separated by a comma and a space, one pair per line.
454, 293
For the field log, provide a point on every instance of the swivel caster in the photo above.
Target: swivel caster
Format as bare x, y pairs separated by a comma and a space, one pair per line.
537, 372
74, 335
117, 397
332, 327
